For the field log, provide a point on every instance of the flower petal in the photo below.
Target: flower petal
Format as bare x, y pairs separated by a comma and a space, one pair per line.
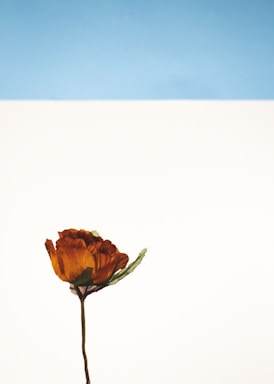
107, 261
70, 258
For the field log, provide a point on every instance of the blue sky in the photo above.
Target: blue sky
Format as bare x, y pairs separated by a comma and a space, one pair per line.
143, 49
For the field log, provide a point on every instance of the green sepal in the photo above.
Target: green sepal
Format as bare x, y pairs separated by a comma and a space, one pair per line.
130, 268
95, 233
84, 279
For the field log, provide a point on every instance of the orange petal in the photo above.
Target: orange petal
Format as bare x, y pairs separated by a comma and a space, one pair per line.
108, 260
70, 258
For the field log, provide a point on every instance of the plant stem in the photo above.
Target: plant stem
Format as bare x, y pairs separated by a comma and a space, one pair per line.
83, 322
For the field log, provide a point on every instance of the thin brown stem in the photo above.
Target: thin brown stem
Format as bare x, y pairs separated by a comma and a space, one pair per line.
83, 321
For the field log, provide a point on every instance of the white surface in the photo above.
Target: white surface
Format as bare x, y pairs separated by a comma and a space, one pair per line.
193, 182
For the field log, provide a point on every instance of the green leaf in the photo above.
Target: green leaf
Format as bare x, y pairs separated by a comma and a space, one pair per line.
95, 233
130, 268
84, 279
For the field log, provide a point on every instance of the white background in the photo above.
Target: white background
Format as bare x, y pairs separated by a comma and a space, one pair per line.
193, 182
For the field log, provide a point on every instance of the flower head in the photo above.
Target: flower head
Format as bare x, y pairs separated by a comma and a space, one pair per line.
83, 258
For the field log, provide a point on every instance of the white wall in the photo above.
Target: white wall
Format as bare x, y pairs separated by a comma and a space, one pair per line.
193, 182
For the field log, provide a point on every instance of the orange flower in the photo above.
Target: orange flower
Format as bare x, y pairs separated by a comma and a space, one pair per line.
89, 264
84, 259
